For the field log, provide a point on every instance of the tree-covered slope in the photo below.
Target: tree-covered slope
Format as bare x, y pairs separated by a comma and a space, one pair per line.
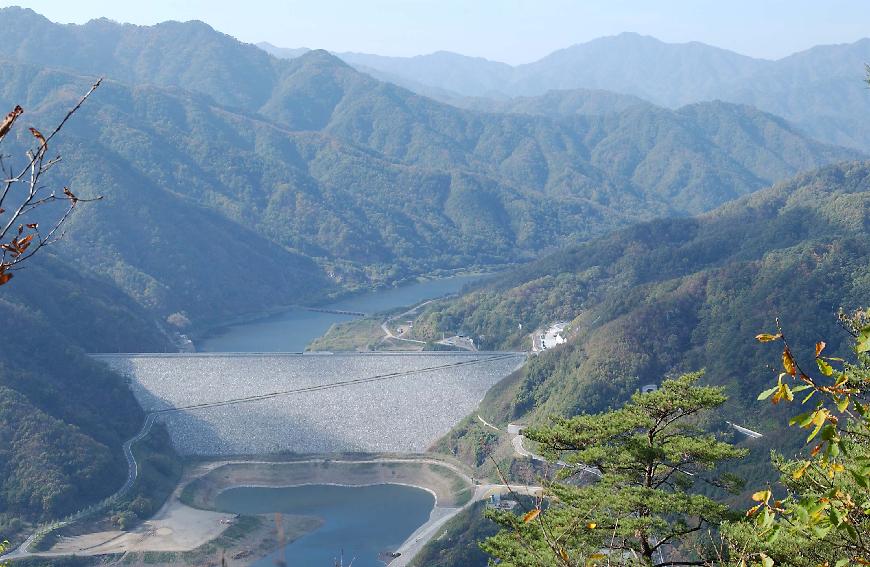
678, 295
818, 89
614, 160
339, 173
554, 103
64, 416
189, 55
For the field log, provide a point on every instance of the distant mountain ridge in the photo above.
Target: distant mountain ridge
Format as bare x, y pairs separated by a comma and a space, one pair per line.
392, 185
321, 168
237, 183
818, 89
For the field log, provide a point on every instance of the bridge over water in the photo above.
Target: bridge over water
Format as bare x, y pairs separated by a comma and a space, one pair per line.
250, 403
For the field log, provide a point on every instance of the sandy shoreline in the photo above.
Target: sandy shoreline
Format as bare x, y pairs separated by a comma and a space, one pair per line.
191, 531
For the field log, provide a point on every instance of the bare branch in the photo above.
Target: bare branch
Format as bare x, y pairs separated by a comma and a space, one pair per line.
20, 241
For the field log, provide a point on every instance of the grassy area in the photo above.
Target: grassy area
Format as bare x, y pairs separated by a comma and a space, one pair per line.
357, 335
247, 539
58, 562
160, 470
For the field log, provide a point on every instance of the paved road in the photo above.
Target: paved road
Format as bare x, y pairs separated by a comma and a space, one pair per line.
132, 472
385, 326
441, 516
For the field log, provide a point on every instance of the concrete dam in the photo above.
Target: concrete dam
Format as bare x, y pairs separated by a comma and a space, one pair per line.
250, 404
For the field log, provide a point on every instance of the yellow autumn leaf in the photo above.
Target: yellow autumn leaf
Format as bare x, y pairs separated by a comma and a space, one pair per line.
589, 560
834, 469
761, 496
800, 471
766, 338
531, 515
788, 362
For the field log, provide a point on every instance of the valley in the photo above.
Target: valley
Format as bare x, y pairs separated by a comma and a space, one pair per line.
309, 404
318, 306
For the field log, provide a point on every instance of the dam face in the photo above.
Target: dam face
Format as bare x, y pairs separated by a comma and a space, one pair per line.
311, 403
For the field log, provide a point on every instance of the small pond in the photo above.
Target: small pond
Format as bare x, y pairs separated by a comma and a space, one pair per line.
364, 521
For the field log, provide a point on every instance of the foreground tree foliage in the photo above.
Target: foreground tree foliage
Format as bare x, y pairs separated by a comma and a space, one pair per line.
641, 509
820, 513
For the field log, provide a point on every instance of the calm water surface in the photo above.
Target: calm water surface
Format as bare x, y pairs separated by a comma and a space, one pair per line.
293, 330
363, 520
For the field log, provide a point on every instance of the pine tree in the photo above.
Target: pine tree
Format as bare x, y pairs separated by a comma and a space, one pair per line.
641, 509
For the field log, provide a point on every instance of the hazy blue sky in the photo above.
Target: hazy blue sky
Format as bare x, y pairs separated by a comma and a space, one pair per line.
514, 31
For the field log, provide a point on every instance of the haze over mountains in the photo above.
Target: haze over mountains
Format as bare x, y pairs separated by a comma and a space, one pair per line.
819, 89
320, 168
236, 183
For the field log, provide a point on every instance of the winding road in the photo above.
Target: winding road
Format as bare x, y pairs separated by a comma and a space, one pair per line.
132, 473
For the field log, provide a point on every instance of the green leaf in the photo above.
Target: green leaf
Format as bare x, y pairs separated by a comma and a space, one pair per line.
834, 516
853, 533
843, 404
767, 393
824, 367
766, 561
802, 515
815, 431
864, 341
860, 479
802, 419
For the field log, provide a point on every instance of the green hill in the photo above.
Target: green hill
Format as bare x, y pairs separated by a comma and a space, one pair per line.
63, 416
339, 173
677, 295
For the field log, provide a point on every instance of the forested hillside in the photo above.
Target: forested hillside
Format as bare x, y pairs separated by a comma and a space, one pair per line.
819, 89
678, 295
63, 416
555, 103
334, 180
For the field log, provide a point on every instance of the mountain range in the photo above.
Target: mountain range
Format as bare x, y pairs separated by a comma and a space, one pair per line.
820, 89
200, 143
236, 182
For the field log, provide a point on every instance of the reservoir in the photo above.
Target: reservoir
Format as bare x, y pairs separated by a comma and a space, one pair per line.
294, 329
364, 521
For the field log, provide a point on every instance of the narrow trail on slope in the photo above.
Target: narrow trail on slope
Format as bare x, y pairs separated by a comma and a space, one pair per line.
132, 473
